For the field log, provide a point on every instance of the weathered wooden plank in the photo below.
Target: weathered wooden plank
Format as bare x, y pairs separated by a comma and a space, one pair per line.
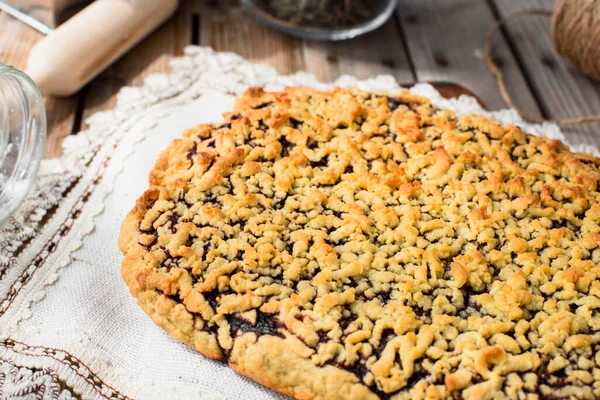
15, 41
446, 39
151, 55
378, 52
225, 27
562, 91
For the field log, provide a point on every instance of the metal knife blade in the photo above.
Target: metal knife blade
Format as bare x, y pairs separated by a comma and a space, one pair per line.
25, 17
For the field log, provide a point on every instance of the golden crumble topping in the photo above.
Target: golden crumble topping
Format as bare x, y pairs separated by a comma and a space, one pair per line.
349, 244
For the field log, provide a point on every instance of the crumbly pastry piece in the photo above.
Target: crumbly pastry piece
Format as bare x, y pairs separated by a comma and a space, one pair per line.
354, 245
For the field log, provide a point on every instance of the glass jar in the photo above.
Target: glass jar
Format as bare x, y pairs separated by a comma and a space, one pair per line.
22, 137
322, 19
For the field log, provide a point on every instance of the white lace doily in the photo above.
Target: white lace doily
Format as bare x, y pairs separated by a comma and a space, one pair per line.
68, 326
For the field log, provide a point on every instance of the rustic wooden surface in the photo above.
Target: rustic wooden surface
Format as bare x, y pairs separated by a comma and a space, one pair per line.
561, 91
426, 40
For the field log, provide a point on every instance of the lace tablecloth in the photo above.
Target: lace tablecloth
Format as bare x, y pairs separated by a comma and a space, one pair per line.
68, 326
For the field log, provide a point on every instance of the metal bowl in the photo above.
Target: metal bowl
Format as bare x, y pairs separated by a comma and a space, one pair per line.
381, 13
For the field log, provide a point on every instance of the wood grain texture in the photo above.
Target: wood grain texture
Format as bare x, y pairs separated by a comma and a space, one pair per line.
15, 41
445, 40
151, 55
378, 52
563, 92
225, 27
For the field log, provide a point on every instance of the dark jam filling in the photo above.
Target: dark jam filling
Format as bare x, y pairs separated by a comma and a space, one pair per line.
393, 103
295, 123
173, 218
360, 370
555, 381
192, 152
211, 297
262, 126
322, 163
387, 335
227, 126
266, 324
278, 204
263, 105
286, 146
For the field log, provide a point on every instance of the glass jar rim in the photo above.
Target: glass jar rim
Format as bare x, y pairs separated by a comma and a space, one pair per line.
22, 137
7, 68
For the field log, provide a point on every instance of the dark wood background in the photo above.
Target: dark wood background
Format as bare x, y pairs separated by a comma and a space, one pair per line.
426, 40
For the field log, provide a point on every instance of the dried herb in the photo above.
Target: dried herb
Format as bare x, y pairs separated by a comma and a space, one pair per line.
323, 13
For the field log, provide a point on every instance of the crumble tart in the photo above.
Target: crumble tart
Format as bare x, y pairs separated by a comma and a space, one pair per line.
355, 245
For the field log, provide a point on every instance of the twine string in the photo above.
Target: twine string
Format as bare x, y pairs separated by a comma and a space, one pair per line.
500, 76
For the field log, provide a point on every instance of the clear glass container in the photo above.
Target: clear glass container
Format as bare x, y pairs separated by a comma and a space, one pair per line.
321, 19
22, 137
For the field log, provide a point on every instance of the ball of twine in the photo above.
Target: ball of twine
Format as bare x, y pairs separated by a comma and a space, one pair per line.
576, 37
576, 34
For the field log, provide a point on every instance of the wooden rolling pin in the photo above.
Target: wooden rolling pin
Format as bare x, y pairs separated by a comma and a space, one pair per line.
81, 48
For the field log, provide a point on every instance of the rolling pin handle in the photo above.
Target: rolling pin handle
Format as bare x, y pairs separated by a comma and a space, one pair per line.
62, 63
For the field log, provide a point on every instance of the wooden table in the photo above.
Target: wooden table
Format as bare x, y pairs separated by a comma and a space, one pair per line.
426, 40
